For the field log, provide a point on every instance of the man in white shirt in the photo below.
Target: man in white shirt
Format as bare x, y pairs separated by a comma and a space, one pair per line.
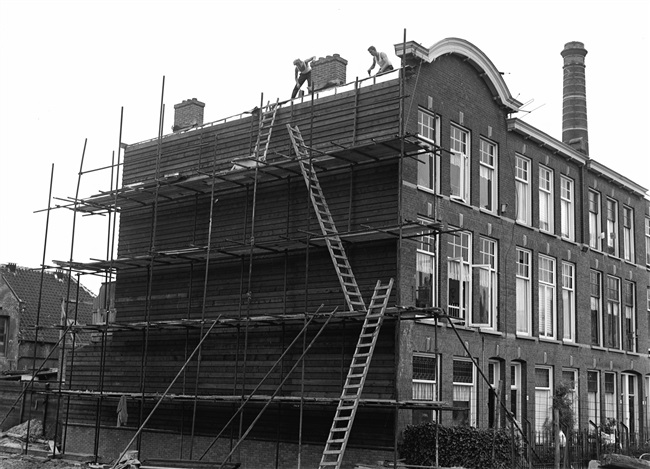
380, 59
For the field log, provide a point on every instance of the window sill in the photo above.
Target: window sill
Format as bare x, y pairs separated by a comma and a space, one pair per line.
459, 201
549, 340
493, 332
598, 347
570, 343
616, 350
526, 337
426, 189
633, 354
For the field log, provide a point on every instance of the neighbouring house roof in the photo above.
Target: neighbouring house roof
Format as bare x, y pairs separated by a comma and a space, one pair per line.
26, 286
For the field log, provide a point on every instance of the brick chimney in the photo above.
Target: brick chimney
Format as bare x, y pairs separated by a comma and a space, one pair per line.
188, 114
574, 107
328, 72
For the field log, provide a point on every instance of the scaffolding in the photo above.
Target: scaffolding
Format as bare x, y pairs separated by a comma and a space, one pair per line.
210, 176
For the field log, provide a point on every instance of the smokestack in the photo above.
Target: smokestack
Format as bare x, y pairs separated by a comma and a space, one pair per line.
574, 107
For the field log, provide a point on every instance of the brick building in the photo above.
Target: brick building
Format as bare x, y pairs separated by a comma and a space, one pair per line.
519, 263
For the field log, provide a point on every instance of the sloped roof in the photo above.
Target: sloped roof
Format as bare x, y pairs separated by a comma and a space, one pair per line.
26, 285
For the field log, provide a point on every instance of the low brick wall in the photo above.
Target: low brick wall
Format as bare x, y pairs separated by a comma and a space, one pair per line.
253, 454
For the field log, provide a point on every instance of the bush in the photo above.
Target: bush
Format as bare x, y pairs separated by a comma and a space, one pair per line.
459, 446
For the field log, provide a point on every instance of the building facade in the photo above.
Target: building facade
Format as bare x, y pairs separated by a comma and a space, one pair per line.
520, 266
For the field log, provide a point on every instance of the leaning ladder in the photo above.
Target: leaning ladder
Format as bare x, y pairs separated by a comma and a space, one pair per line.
267, 119
334, 244
349, 400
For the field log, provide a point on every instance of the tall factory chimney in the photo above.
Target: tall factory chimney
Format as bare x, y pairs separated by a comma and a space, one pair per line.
574, 107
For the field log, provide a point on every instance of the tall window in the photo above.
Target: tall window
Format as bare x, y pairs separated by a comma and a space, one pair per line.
593, 399
459, 275
596, 288
629, 317
485, 314
569, 301
546, 298
610, 395
567, 210
594, 220
570, 378
630, 408
545, 199
425, 277
647, 241
543, 397
522, 185
612, 227
429, 162
494, 376
628, 234
4, 333
613, 312
425, 379
464, 392
459, 167
524, 316
515, 390
488, 176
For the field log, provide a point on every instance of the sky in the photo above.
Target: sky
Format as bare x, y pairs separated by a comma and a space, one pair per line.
70, 69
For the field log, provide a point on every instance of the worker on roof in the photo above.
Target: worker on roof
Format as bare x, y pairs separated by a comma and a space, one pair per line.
302, 73
381, 59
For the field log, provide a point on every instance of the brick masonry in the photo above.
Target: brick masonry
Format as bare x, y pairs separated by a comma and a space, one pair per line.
329, 71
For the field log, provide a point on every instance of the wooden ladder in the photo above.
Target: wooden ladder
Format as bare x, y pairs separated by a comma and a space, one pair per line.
349, 400
267, 120
334, 244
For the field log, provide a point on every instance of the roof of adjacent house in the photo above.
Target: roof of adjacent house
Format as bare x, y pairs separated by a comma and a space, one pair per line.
26, 284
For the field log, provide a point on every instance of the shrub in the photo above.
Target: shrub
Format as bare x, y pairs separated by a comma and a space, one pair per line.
458, 446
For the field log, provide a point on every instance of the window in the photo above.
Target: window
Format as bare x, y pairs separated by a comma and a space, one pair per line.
596, 308
630, 408
522, 185
628, 234
610, 396
570, 378
425, 276
546, 298
488, 176
647, 401
523, 292
425, 379
593, 399
647, 241
545, 199
543, 398
629, 317
613, 312
494, 376
594, 220
612, 227
459, 167
459, 275
569, 301
4, 335
464, 392
429, 162
485, 314
515, 390
567, 210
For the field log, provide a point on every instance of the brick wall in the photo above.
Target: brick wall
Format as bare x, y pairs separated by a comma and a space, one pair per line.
328, 71
189, 113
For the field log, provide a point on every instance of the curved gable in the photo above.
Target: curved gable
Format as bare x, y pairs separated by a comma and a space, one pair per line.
474, 56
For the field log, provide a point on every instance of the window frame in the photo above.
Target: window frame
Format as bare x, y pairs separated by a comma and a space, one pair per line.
595, 229
629, 318
547, 411
610, 401
548, 331
628, 234
575, 401
523, 186
567, 208
434, 383
5, 323
463, 258
597, 326
516, 390
471, 417
613, 312
647, 241
488, 263
611, 227
525, 281
569, 301
494, 376
546, 193
593, 412
460, 148
491, 171
630, 413
429, 160
426, 249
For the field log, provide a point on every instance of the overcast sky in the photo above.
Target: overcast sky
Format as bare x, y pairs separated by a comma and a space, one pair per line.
68, 67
